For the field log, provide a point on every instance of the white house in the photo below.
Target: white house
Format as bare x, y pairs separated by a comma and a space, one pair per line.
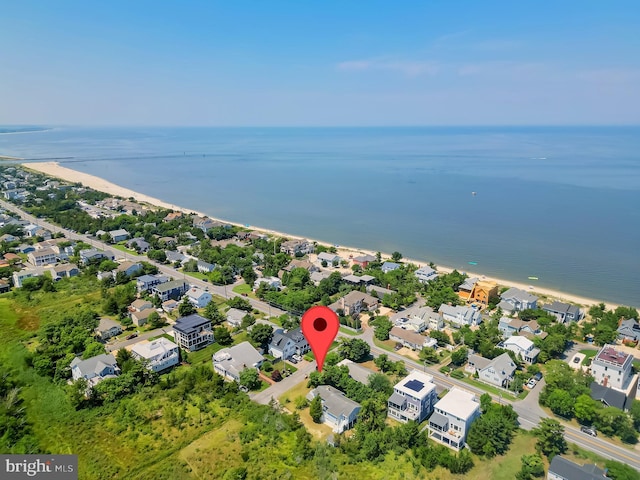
297, 247
331, 259
22, 275
418, 319
452, 418
522, 347
118, 235
460, 316
516, 300
425, 274
409, 339
235, 316
498, 372
108, 328
413, 398
273, 282
612, 368
286, 344
389, 267
198, 297
230, 362
95, 369
338, 411
158, 354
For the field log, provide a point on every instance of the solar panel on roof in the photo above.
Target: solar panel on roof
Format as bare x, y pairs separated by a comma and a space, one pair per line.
414, 385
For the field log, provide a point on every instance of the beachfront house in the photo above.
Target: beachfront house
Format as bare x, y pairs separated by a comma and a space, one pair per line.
475, 291
338, 411
629, 330
297, 247
452, 418
516, 300
458, 315
425, 274
363, 260
328, 259
413, 398
230, 362
389, 267
564, 312
515, 326
157, 355
193, 332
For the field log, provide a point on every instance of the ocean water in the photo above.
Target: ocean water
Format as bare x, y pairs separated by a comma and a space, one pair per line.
559, 203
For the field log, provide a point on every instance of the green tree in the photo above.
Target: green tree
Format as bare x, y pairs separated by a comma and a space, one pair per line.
261, 334
492, 432
222, 336
382, 327
212, 312
561, 403
532, 466
240, 303
354, 349
459, 357
396, 256
155, 320
250, 378
315, 409
186, 308
551, 440
585, 408
429, 355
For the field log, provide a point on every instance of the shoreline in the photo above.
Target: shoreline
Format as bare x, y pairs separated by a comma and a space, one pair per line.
54, 169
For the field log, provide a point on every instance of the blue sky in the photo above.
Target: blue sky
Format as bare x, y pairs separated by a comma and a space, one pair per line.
299, 63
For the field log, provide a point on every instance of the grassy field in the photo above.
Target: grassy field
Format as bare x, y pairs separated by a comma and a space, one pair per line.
123, 248
349, 331
487, 388
244, 289
588, 355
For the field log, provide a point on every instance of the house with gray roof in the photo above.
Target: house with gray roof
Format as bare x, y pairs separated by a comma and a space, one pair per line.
389, 267
410, 339
498, 371
173, 257
285, 344
459, 315
317, 277
330, 258
356, 371
564, 312
425, 274
139, 244
118, 235
174, 289
564, 469
108, 328
359, 280
629, 330
95, 369
354, 302
609, 396
338, 411
516, 300
205, 267
235, 316
418, 319
379, 292
230, 362
144, 283
93, 254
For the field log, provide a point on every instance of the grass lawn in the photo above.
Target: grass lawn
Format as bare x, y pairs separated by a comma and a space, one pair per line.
204, 355
487, 388
388, 345
124, 249
199, 275
588, 355
244, 289
349, 331
165, 335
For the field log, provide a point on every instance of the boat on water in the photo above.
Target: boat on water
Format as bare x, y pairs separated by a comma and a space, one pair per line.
533, 278
473, 263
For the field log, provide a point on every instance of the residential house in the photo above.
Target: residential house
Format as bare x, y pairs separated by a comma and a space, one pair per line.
418, 319
193, 332
297, 247
32, 231
173, 216
20, 276
379, 292
4, 286
16, 194
359, 280
564, 469
338, 411
363, 260
174, 289
413, 398
515, 326
175, 257
64, 270
612, 368
139, 305
475, 363
140, 317
204, 223
475, 291
199, 298
118, 235
95, 369
297, 263
498, 372
26, 248
356, 371
317, 277
230, 362
564, 312
331, 259
204, 267
235, 316
94, 254
459, 315
39, 258
452, 418
410, 339
389, 267
129, 268
522, 347
285, 344
108, 328
139, 244
144, 283
610, 397
273, 282
170, 305
516, 300
629, 330
354, 302
12, 258
157, 355
8, 238
425, 274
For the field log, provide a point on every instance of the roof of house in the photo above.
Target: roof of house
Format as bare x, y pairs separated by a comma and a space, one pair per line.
328, 257
572, 471
154, 347
106, 324
237, 358
144, 313
235, 314
521, 342
197, 293
174, 256
42, 253
295, 263
64, 267
478, 361
519, 295
126, 265
608, 354
334, 401
390, 266
190, 323
608, 396
459, 403
629, 327
503, 365
118, 233
417, 384
168, 286
380, 292
468, 313
468, 283
426, 271
364, 258
561, 307
140, 303
355, 296
421, 312
94, 364
319, 275
408, 335
357, 371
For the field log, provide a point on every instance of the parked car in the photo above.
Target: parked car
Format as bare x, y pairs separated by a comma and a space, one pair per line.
293, 360
538, 376
531, 383
589, 431
131, 336
576, 359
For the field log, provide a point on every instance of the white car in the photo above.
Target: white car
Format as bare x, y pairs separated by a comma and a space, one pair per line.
531, 383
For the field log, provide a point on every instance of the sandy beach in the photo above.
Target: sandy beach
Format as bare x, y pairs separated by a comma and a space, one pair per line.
54, 169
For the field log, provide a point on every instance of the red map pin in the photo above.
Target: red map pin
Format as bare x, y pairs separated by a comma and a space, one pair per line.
320, 326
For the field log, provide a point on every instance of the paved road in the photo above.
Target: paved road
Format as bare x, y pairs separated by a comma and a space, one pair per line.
528, 415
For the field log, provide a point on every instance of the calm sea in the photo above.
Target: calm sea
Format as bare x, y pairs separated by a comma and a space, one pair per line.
561, 204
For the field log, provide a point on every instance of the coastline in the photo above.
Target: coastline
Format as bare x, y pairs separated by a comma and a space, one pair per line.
54, 169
